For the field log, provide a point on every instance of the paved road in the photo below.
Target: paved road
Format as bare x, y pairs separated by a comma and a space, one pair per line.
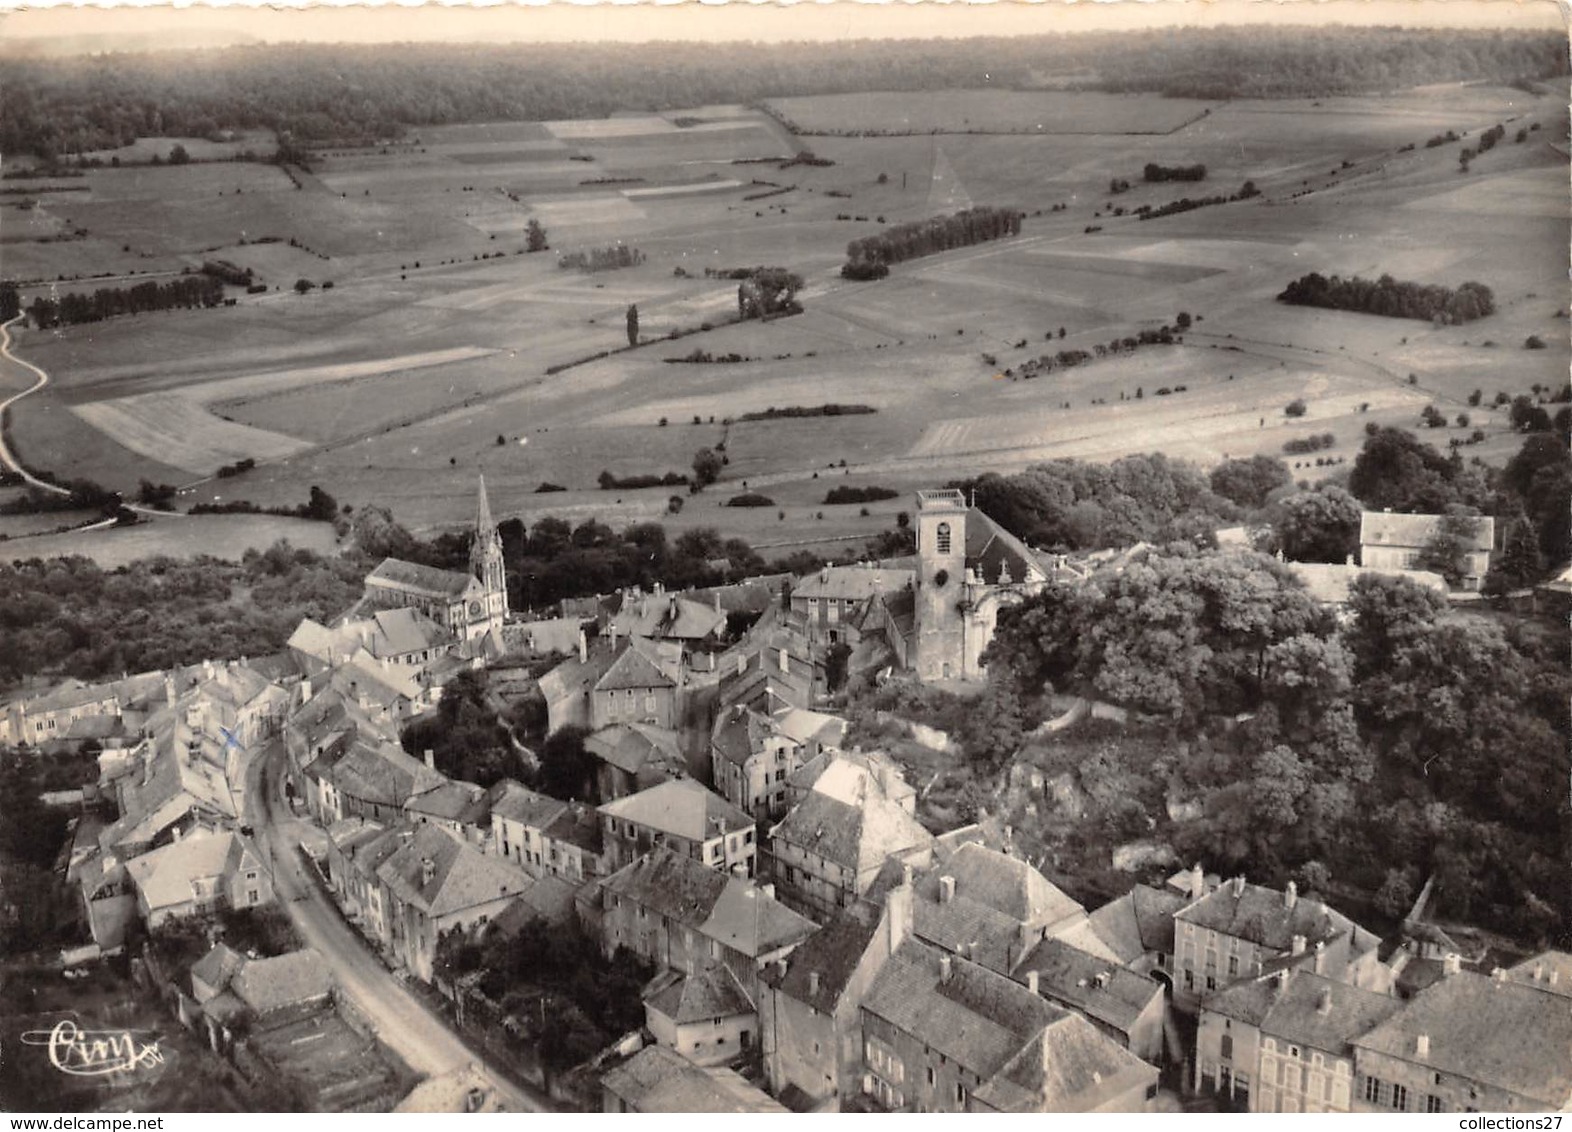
405, 1023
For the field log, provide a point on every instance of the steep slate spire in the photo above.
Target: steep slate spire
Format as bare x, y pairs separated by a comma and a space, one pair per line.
484, 527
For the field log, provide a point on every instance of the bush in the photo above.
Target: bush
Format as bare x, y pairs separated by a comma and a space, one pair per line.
1533, 342
546, 487
750, 499
859, 494
1295, 408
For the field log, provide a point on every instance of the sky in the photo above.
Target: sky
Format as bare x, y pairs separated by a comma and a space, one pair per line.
642, 20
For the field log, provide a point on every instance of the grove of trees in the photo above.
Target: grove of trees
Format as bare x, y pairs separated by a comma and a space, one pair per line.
902, 242
186, 291
1394, 299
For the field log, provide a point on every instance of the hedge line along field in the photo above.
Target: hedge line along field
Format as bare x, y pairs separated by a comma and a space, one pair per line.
424, 244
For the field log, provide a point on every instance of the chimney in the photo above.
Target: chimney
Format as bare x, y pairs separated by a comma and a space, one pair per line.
1197, 881
1498, 975
946, 968
768, 890
1320, 957
1297, 946
207, 670
717, 601
1100, 980
1291, 895
1323, 1005
780, 968
785, 662
1422, 1045
169, 689
583, 647
1032, 978
1239, 886
431, 759
1451, 963
813, 982
305, 690
1539, 971
946, 889
824, 574
428, 871
742, 663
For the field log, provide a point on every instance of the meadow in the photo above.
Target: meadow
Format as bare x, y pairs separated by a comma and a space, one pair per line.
427, 361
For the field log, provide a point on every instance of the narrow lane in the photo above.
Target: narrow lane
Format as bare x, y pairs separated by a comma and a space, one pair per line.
406, 1024
7, 457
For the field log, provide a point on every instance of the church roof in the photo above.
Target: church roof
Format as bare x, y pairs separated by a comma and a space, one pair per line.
427, 581
991, 549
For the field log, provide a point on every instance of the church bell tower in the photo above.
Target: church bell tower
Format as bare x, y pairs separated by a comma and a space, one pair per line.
485, 562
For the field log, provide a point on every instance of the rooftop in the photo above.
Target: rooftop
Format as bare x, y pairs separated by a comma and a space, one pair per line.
427, 581
657, 1080
1141, 922
1383, 528
683, 808
712, 992
439, 874
286, 980
1264, 916
1101, 990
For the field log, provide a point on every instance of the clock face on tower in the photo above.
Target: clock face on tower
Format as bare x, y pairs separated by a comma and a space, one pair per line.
474, 609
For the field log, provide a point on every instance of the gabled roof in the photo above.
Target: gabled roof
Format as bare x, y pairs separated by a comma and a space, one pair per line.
739, 733
542, 638
630, 746
657, 1080
217, 966
1247, 1000
1264, 916
459, 876
633, 670
712, 992
1330, 583
1002, 882
978, 1018
803, 726
383, 774
833, 954
297, 977
1139, 923
576, 825
427, 581
164, 876
857, 835
1068, 1067
746, 919
1549, 970
683, 808
851, 583
662, 615
1383, 528
1312, 1010
404, 630
1498, 1032
452, 801
1099, 989
991, 550
512, 801
362, 676
575, 677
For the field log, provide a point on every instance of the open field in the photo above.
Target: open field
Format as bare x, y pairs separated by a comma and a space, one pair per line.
395, 386
219, 536
984, 111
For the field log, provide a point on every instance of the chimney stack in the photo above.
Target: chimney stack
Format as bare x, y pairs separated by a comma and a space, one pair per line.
785, 665
583, 647
946, 969
1032, 978
1323, 1006
1239, 883
898, 910
428, 871
1422, 1045
768, 890
169, 689
1320, 957
1297, 946
946, 889
1197, 881
1291, 895
813, 982
1451, 963
431, 759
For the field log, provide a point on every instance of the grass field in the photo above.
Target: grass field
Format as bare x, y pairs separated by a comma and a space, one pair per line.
395, 386
984, 111
218, 536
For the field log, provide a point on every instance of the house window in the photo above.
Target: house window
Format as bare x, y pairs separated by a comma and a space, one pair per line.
1373, 1090
649, 704
942, 539
1233, 965
1211, 982
1226, 1049
930, 1076
1400, 1098
1434, 1104
960, 1089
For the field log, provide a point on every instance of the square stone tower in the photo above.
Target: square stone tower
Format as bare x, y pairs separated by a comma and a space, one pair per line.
941, 584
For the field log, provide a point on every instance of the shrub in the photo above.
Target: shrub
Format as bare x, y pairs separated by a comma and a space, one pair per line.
1533, 342
546, 487
750, 499
1295, 408
848, 494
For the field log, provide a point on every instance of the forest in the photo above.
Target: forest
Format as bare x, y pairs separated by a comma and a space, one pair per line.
197, 290
1392, 298
1406, 743
313, 93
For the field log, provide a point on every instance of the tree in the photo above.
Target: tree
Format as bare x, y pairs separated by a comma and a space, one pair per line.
1183, 321
1520, 562
535, 237
835, 666
10, 301
706, 467
1432, 417
1295, 408
1445, 551
1249, 482
1319, 526
567, 770
303, 285
633, 324
768, 291
321, 507
178, 155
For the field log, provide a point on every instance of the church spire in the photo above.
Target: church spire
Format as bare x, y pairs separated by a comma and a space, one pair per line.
484, 527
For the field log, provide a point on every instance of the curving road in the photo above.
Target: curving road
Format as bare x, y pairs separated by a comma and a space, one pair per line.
402, 1021
7, 457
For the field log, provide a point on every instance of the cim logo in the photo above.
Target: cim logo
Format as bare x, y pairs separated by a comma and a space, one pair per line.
95, 1053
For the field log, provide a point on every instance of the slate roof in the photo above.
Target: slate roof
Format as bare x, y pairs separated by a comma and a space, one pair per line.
217, 966
576, 825
681, 807
514, 802
285, 980
1263, 916
668, 616
738, 734
990, 549
657, 1080
1006, 883
1329, 583
629, 746
802, 726
1247, 1000
1140, 922
452, 801
857, 836
164, 875
428, 581
711, 992
401, 631
1069, 1067
550, 898
383, 774
1502, 1033
542, 638
461, 877
1549, 970
851, 583
632, 669
1312, 1010
575, 677
1381, 528
1071, 976
844, 773
979, 1019
727, 909
833, 953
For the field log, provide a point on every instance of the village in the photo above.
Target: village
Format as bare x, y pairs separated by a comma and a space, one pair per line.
735, 907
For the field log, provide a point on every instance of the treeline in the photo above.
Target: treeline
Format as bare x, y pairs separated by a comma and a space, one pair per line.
321, 508
1155, 173
609, 482
838, 495
1316, 749
601, 259
928, 237
227, 272
793, 412
314, 93
1071, 505
80, 495
181, 293
1069, 359
1392, 298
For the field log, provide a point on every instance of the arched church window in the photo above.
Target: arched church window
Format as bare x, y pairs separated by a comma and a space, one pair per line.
942, 539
